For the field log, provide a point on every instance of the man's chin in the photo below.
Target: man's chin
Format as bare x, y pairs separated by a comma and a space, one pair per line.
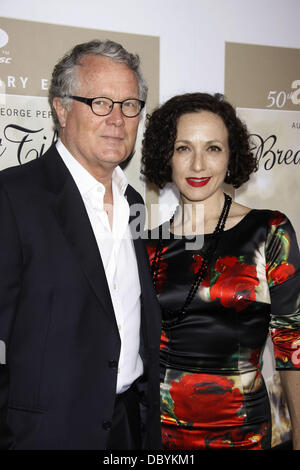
116, 159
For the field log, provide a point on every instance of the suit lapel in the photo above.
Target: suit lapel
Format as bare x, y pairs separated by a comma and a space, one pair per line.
138, 242
142, 261
74, 222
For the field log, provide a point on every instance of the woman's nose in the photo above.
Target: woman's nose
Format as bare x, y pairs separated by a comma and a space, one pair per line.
198, 162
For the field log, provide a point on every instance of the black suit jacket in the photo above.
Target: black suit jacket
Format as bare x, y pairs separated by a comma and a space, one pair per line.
58, 386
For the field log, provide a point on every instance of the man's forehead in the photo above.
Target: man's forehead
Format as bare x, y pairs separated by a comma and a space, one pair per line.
90, 62
94, 70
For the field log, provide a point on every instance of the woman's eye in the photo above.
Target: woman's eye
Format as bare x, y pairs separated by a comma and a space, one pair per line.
181, 148
214, 148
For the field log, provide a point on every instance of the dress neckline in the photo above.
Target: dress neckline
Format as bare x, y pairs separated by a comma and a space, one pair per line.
211, 234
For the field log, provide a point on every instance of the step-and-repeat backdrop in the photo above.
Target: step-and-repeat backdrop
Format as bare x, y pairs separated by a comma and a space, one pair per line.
28, 53
263, 83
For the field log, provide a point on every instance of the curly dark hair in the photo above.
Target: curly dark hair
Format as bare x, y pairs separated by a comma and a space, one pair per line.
160, 135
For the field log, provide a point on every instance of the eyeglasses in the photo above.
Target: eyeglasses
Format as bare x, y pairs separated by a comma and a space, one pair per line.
103, 106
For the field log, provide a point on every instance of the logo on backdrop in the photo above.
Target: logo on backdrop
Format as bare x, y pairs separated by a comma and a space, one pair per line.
4, 56
3, 38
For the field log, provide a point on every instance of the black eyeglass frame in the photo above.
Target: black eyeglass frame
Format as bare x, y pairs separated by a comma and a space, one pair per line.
89, 102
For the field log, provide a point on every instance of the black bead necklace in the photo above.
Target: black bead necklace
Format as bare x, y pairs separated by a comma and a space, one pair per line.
179, 314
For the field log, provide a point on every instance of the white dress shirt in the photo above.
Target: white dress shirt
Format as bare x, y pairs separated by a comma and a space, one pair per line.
119, 261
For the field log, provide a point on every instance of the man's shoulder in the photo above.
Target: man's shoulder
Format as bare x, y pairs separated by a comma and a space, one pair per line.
27, 173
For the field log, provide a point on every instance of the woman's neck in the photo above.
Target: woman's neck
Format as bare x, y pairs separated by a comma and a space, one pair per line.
198, 217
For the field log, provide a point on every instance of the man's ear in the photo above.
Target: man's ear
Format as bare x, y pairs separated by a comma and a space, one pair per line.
60, 111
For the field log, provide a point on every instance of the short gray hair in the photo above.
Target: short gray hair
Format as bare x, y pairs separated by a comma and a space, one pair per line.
64, 79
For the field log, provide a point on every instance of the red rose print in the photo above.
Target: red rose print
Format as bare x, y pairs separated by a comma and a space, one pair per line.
198, 260
254, 358
235, 287
174, 437
280, 273
286, 349
253, 440
277, 219
211, 399
163, 265
163, 340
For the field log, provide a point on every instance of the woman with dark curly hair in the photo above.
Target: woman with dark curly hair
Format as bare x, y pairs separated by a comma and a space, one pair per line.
225, 276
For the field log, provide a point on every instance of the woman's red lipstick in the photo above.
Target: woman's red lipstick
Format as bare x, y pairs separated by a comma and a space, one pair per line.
197, 182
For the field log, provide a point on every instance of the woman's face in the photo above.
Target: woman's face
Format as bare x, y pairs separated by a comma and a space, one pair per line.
201, 154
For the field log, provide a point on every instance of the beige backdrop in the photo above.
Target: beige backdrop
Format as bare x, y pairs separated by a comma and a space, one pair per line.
28, 53
263, 83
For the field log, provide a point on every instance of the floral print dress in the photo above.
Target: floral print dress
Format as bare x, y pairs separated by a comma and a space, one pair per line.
213, 394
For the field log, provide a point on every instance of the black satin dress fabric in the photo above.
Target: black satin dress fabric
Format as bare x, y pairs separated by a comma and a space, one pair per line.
213, 394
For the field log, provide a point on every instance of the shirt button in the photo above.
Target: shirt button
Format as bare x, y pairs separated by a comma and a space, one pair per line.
106, 425
115, 286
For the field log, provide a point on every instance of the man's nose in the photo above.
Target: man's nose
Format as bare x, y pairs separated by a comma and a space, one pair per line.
116, 117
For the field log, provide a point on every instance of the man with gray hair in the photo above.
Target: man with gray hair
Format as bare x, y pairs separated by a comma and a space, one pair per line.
78, 313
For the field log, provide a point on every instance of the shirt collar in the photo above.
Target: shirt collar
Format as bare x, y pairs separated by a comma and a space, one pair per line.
83, 179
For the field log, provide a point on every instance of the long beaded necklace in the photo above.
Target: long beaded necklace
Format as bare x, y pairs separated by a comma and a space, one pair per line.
180, 313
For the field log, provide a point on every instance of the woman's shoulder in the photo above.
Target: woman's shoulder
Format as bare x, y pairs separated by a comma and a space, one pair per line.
269, 217
273, 218
237, 213
240, 211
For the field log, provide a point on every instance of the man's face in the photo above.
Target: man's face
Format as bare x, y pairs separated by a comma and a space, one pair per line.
100, 143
